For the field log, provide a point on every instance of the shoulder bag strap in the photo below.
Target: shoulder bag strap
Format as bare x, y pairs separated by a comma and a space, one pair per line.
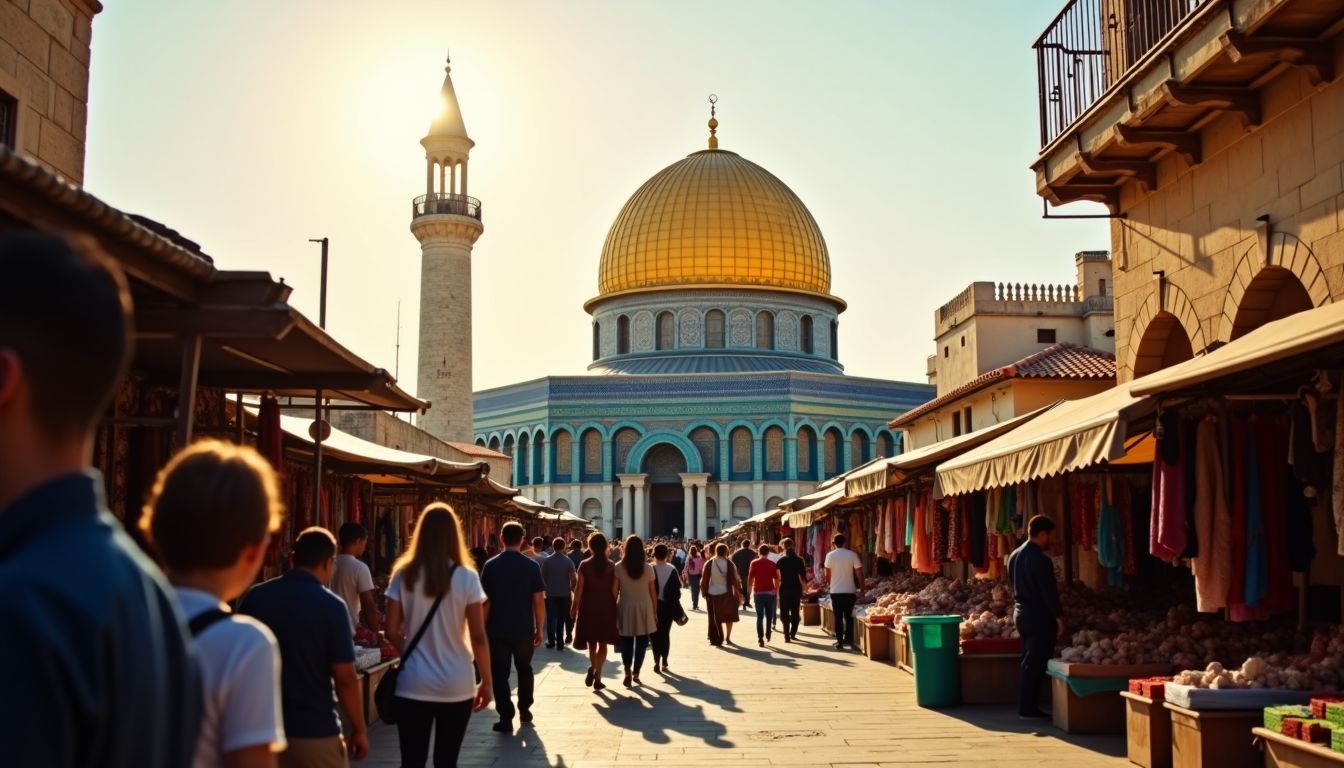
424, 625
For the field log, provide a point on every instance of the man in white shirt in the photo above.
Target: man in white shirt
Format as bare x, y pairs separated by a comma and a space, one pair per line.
351, 579
844, 575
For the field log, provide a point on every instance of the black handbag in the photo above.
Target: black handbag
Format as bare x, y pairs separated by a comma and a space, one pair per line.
385, 695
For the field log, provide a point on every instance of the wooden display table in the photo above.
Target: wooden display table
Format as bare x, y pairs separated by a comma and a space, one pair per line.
1096, 713
811, 615
900, 648
990, 678
874, 639
369, 680
1148, 727
828, 620
1286, 752
1213, 737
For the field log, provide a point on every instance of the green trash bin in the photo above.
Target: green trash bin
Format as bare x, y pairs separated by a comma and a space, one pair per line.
935, 644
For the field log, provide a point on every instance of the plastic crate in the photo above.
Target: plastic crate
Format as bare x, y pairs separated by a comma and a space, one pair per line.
1318, 706
1274, 716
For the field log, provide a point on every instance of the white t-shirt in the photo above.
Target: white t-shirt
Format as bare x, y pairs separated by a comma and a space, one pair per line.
719, 571
842, 563
350, 578
774, 557
240, 674
440, 669
663, 572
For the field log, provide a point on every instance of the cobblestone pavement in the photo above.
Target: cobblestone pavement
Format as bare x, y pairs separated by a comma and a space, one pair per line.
802, 704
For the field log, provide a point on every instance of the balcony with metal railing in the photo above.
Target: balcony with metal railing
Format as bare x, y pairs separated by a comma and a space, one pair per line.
445, 203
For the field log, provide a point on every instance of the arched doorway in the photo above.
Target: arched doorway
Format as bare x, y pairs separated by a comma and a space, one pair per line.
664, 465
1163, 345
1274, 294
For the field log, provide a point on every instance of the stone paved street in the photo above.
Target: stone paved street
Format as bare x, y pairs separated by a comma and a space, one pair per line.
795, 705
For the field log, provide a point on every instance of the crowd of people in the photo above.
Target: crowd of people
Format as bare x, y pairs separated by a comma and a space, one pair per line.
172, 654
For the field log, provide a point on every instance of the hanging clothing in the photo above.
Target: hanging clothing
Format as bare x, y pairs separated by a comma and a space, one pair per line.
1213, 522
1337, 489
975, 530
1169, 525
1272, 442
1110, 539
1257, 558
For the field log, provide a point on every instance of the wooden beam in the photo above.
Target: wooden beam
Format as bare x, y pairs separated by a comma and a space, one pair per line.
215, 322
1142, 171
1187, 145
186, 390
1315, 57
1243, 102
1106, 194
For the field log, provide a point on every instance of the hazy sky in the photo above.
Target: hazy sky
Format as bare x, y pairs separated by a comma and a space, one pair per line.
906, 127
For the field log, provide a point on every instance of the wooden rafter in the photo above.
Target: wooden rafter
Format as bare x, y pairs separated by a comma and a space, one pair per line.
1243, 102
1315, 57
1142, 171
1185, 144
1106, 194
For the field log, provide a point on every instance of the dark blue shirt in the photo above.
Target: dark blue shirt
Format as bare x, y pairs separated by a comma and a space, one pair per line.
312, 626
98, 667
1031, 573
510, 580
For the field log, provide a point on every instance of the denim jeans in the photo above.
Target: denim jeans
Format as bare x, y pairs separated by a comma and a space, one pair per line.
694, 580
633, 648
557, 613
765, 613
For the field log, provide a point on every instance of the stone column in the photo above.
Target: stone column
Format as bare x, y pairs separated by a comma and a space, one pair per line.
687, 507
627, 511
701, 504
640, 524
696, 517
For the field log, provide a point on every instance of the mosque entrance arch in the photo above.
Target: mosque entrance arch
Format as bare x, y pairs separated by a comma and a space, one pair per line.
663, 465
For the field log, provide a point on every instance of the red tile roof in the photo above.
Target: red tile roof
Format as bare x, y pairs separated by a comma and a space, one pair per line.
472, 449
1059, 362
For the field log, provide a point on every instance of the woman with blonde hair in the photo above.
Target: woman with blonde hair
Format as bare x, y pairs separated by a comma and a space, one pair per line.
436, 594
594, 609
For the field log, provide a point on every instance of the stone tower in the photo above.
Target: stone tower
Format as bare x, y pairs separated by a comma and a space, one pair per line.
446, 222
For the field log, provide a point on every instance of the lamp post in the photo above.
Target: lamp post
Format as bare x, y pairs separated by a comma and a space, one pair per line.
318, 432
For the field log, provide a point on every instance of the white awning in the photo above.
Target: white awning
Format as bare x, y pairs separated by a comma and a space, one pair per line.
1071, 435
1293, 336
806, 510
368, 458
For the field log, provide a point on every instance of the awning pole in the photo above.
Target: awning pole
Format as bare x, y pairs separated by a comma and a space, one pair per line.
186, 390
238, 416
317, 461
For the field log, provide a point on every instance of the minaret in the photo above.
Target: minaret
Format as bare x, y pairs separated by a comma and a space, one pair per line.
446, 222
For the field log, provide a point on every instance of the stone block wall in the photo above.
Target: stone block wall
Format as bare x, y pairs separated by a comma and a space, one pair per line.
44, 64
1201, 225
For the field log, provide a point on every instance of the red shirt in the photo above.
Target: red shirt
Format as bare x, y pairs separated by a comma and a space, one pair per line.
762, 575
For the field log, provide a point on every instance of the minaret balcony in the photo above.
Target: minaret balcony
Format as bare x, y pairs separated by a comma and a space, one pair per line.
446, 204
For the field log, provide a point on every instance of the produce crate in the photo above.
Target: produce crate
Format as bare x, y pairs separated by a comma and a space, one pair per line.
1337, 740
1316, 731
1101, 712
1147, 730
369, 680
1149, 687
1274, 716
989, 678
811, 615
1334, 712
992, 645
1220, 738
900, 645
874, 639
1283, 752
828, 620
1319, 705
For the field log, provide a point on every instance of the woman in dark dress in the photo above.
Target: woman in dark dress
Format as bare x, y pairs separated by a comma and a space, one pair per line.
594, 610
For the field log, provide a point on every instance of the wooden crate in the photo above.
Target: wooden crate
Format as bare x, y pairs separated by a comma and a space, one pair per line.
1220, 738
874, 640
369, 680
900, 648
828, 620
1148, 731
990, 678
1286, 752
811, 615
1098, 713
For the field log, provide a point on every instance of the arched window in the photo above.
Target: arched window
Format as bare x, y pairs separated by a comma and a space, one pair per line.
597, 340
714, 322
508, 446
741, 450
623, 335
886, 447
480, 442
807, 454
539, 459
706, 442
712, 512
858, 448
592, 512
835, 340
773, 503
805, 334
520, 461
592, 454
765, 330
494, 444
562, 445
774, 450
622, 442
666, 331
561, 505
831, 453
741, 508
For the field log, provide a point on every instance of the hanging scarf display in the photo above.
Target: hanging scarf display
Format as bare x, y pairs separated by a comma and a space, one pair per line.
1168, 528
1213, 522
1110, 539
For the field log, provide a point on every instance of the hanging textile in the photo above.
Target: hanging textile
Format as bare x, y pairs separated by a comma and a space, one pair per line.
1110, 539
1257, 558
1337, 489
910, 513
1188, 447
1168, 529
1271, 441
1213, 522
975, 530
1301, 537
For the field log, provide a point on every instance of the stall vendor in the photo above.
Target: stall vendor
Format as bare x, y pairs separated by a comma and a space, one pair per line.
1036, 611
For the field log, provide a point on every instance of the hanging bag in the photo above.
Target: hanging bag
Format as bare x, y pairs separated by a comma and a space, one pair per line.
385, 695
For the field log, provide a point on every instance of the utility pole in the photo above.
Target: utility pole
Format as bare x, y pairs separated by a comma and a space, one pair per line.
319, 422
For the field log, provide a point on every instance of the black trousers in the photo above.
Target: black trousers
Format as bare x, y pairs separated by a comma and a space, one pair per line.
518, 654
843, 607
415, 720
557, 619
662, 637
1038, 645
790, 611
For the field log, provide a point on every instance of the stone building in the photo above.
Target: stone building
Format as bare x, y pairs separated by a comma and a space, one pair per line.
717, 388
44, 81
1214, 134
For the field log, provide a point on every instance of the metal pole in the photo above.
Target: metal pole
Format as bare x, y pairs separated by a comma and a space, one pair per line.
319, 420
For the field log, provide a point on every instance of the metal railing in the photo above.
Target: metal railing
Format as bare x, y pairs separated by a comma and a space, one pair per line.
446, 203
1090, 46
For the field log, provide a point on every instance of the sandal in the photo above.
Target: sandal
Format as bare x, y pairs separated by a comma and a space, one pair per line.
636, 679
588, 680
626, 682
599, 686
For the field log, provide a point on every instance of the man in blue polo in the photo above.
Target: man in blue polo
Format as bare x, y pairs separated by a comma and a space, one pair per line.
97, 666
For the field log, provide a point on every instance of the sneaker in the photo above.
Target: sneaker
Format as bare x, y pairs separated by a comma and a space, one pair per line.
524, 715
503, 726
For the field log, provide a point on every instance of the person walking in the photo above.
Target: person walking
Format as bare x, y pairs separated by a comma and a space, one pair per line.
318, 683
435, 595
515, 613
576, 553
537, 551
695, 566
721, 588
636, 612
763, 576
742, 559
100, 670
594, 609
561, 577
351, 579
668, 582
1036, 611
844, 576
792, 582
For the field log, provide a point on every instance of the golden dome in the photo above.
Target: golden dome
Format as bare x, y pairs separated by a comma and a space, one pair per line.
714, 219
